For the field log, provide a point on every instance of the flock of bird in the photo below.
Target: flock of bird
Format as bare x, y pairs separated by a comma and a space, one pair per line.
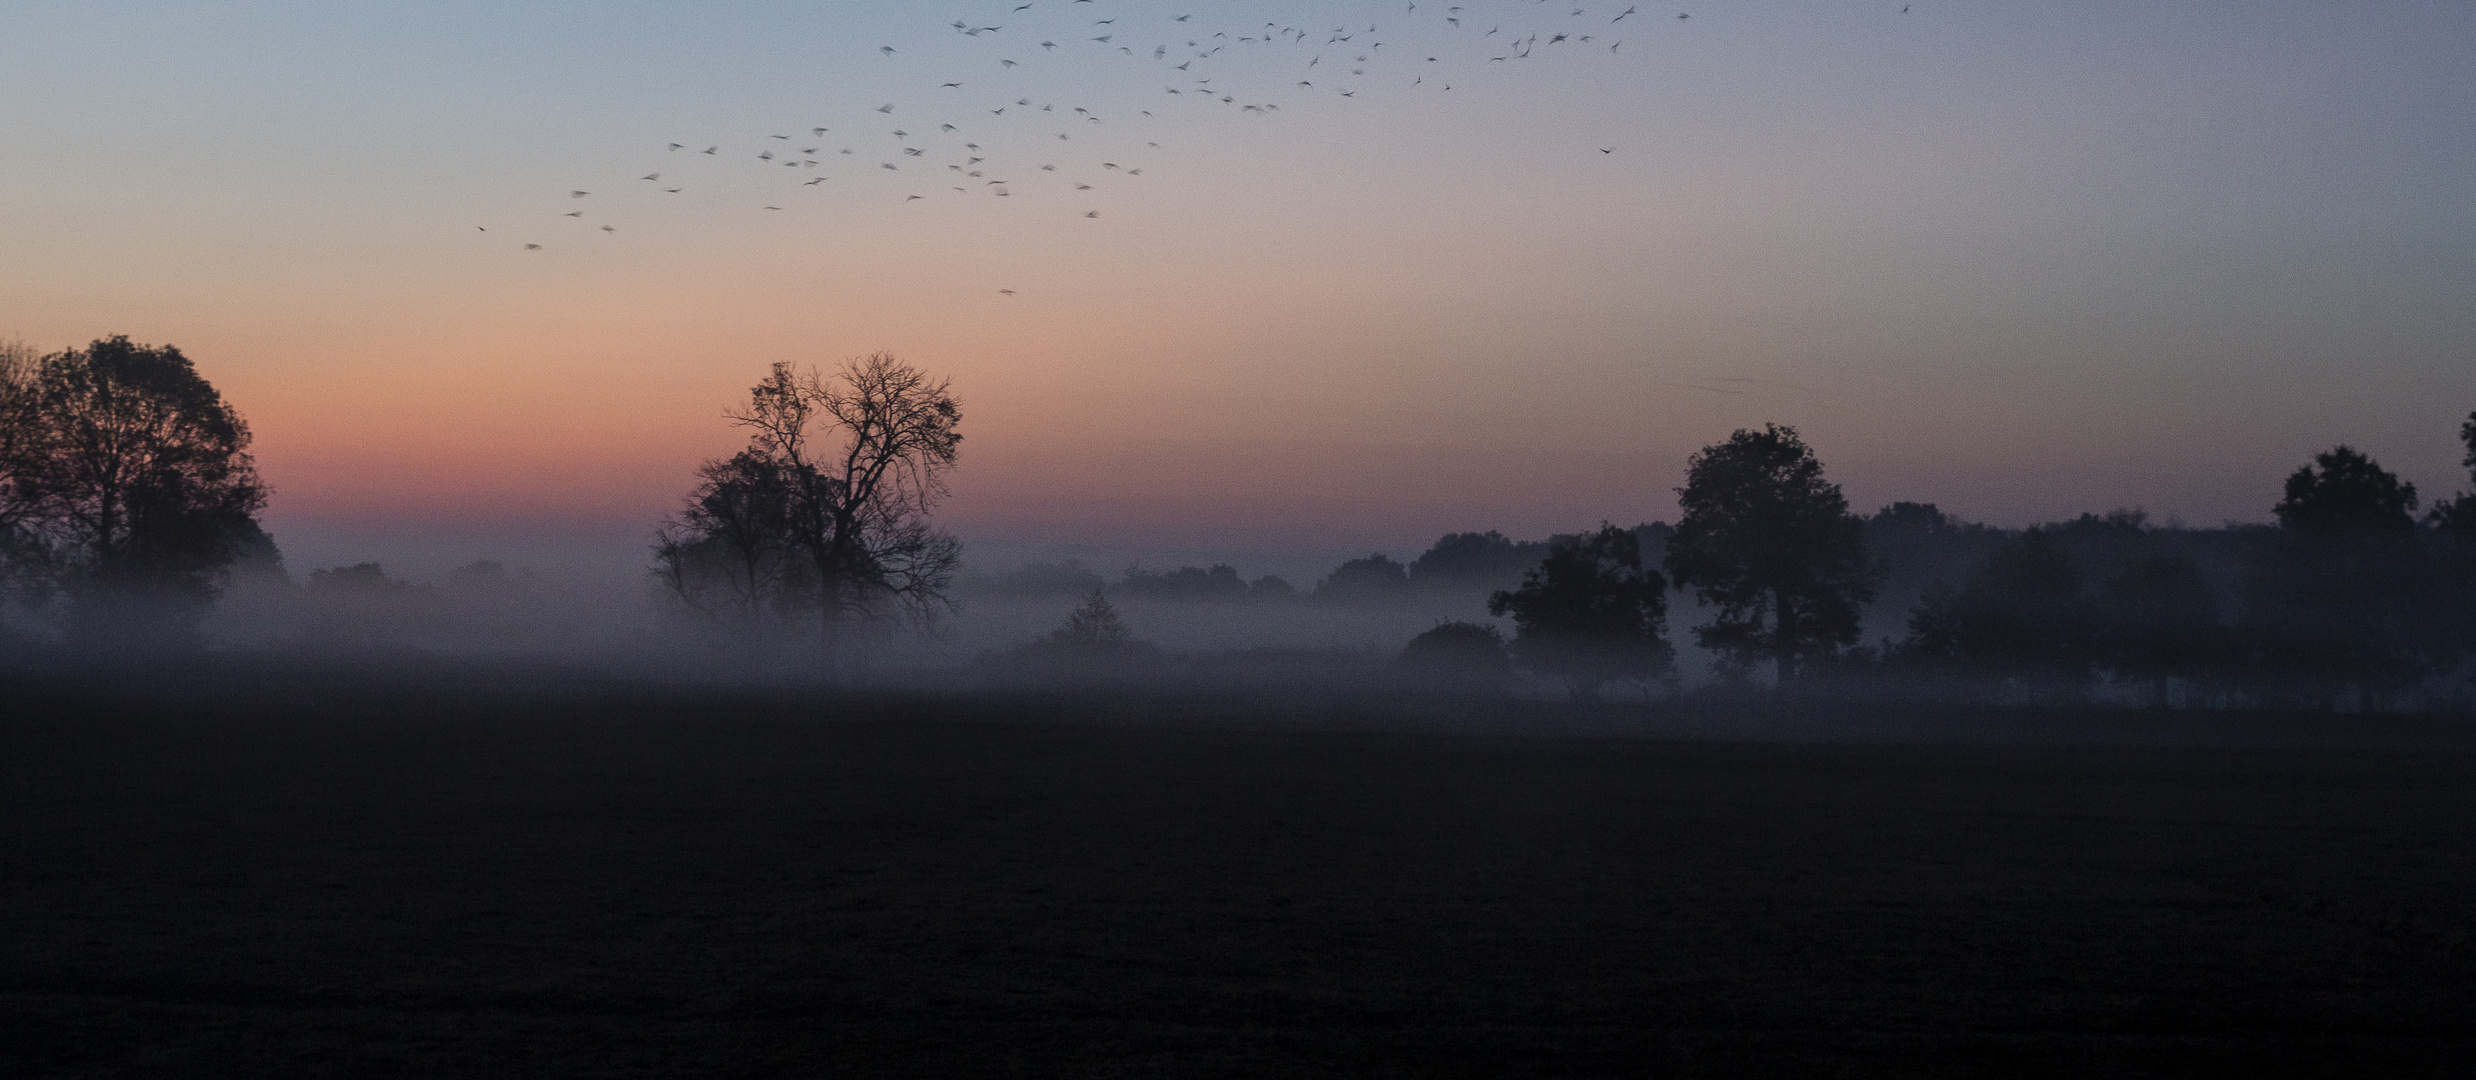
988, 129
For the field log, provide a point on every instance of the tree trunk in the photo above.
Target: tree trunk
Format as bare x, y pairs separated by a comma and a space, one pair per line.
830, 640
1784, 640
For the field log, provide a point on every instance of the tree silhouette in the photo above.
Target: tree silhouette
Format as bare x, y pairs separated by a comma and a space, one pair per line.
1094, 624
2452, 605
1474, 560
1770, 544
25, 556
2020, 622
2332, 601
1374, 579
1590, 613
730, 551
2456, 518
848, 469
136, 477
2344, 492
2159, 621
1458, 656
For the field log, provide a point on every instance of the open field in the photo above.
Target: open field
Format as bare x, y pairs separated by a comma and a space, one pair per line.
385, 881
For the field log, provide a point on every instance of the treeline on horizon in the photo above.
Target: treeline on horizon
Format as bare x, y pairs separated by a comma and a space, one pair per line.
129, 504
2350, 598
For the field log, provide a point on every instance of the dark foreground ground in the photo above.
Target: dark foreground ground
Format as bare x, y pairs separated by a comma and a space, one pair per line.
388, 882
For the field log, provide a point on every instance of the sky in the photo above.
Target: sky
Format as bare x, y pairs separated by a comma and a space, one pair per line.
2020, 260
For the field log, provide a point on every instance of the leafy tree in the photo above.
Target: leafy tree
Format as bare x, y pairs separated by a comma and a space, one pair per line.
2332, 602
1270, 587
2453, 601
1474, 560
136, 477
2343, 492
844, 470
1459, 656
1187, 584
2160, 621
730, 551
25, 556
1771, 545
1375, 578
1095, 623
1590, 613
359, 606
2020, 621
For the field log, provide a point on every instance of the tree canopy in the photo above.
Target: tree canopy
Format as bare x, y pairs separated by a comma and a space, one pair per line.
129, 484
1771, 545
1590, 613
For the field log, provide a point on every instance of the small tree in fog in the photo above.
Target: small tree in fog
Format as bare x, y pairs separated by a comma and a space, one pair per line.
2337, 599
1458, 656
843, 471
1094, 622
1590, 613
1374, 579
1770, 544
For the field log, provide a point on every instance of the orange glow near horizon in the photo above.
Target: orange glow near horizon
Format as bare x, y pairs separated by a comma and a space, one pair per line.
2019, 262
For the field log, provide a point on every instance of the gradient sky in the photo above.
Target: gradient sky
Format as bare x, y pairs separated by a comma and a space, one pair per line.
2021, 260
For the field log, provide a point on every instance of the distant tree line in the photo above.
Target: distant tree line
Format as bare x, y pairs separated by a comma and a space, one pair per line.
2352, 598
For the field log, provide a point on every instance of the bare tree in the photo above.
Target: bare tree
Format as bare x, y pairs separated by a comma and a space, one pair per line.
856, 461
24, 554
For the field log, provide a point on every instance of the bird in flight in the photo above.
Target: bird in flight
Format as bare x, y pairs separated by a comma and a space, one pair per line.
1091, 213
578, 194
573, 213
532, 247
654, 176
1008, 292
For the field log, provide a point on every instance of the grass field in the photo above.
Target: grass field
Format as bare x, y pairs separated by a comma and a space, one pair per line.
390, 881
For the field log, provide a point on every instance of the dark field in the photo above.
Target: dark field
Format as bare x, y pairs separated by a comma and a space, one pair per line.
586, 883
